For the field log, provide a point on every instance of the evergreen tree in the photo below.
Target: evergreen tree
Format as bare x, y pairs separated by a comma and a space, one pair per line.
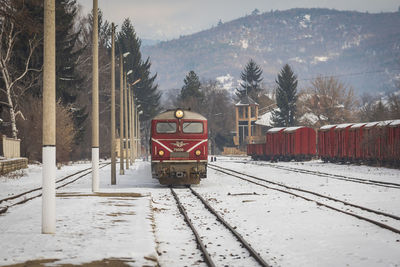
251, 77
191, 88
146, 91
286, 97
69, 80
380, 112
191, 95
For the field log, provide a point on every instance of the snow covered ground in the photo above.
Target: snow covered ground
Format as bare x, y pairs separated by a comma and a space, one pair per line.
137, 222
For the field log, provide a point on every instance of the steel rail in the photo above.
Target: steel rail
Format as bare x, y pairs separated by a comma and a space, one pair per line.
253, 253
39, 188
382, 225
203, 249
315, 193
4, 209
333, 176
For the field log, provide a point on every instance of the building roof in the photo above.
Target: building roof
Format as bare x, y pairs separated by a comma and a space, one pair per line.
395, 123
276, 129
292, 129
358, 125
246, 101
343, 125
328, 127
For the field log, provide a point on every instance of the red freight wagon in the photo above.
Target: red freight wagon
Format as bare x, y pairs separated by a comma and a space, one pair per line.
355, 142
274, 143
251, 150
256, 151
369, 141
326, 142
341, 142
394, 143
382, 145
299, 143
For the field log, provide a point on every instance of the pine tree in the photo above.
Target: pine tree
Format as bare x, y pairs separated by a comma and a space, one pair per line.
380, 112
191, 87
286, 97
191, 95
251, 77
146, 91
69, 80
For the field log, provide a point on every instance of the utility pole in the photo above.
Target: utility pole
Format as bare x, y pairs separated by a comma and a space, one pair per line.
139, 137
136, 126
126, 123
113, 163
137, 133
121, 115
131, 123
95, 101
49, 120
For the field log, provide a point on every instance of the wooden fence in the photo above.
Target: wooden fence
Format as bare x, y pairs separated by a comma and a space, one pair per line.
10, 147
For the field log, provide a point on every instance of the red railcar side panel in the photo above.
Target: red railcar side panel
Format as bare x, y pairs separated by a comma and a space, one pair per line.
326, 142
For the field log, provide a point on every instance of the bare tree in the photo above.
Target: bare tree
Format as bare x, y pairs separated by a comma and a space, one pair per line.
394, 106
219, 111
85, 68
330, 101
31, 129
13, 77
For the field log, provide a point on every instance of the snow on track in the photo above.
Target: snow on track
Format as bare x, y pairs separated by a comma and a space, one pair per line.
149, 230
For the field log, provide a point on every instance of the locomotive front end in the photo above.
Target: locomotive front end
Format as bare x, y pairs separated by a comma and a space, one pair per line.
179, 147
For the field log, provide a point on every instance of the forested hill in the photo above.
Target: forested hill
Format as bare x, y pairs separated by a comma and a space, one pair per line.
361, 49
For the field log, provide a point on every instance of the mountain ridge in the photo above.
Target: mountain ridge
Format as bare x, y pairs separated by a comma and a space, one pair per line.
362, 49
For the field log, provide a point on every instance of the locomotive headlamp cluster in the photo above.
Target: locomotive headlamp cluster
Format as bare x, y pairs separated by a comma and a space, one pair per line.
197, 152
161, 153
179, 113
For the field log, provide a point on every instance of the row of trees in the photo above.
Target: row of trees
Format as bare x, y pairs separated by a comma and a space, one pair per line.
212, 101
325, 101
21, 61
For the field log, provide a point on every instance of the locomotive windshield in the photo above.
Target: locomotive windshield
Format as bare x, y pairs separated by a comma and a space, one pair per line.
192, 127
166, 127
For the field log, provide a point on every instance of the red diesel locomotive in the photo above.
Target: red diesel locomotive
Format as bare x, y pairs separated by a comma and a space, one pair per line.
179, 147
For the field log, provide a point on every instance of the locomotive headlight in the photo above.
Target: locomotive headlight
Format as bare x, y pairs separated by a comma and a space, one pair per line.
161, 153
197, 152
179, 113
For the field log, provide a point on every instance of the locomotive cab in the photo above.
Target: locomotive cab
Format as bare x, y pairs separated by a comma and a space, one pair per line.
179, 147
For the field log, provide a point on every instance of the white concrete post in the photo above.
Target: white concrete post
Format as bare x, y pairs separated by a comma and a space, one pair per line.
95, 101
49, 120
113, 161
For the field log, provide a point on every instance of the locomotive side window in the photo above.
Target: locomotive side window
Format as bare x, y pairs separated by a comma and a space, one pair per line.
192, 127
166, 127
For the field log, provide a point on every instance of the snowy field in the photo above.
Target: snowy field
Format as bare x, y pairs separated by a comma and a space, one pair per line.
137, 222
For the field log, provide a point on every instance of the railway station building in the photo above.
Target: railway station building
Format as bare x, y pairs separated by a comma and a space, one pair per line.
247, 131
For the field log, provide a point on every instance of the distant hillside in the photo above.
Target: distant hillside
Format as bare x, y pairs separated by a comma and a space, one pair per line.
362, 48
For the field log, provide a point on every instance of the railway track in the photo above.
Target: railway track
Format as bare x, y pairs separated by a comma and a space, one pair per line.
26, 196
357, 211
239, 249
328, 175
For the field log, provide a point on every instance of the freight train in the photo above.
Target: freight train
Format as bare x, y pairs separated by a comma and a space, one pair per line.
367, 143
179, 147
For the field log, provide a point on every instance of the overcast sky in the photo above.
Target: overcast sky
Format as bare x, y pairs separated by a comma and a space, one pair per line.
168, 19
